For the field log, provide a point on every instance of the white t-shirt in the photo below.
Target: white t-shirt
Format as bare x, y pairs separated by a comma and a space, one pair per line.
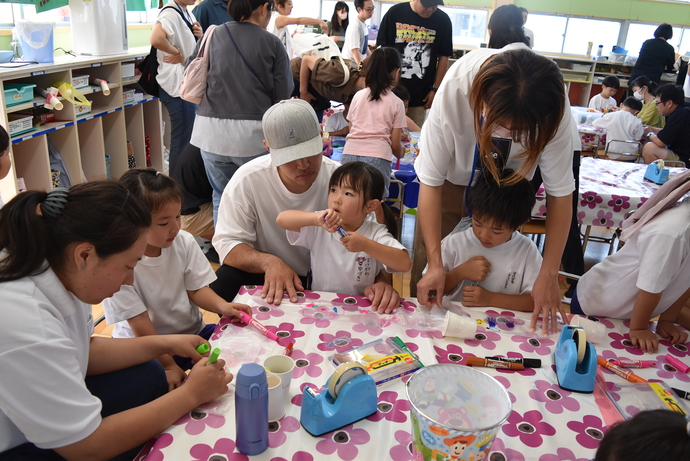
251, 203
160, 288
530, 35
356, 36
598, 102
178, 33
282, 33
336, 122
447, 141
514, 265
621, 125
333, 267
44, 354
655, 259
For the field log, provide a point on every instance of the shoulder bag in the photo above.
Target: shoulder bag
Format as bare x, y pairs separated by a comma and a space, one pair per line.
193, 84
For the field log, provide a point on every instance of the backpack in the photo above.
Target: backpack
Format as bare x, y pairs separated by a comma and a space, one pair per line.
149, 66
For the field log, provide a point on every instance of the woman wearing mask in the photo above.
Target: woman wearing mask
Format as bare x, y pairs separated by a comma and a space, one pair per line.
338, 24
644, 89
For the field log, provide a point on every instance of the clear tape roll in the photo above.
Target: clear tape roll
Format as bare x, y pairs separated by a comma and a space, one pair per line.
580, 338
342, 374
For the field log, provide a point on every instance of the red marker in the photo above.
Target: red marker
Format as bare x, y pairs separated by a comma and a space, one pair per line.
288, 349
629, 375
633, 363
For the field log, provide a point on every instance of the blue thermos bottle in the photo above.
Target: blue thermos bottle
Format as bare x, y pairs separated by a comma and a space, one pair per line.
251, 410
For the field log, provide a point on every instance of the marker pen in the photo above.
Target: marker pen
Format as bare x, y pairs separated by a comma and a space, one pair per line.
339, 230
681, 393
480, 362
528, 363
401, 344
214, 356
633, 363
629, 375
680, 366
288, 349
257, 325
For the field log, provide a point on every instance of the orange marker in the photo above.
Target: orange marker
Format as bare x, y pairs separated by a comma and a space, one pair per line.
629, 375
480, 362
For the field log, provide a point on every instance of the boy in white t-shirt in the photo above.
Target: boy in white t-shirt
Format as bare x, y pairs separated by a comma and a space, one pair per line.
491, 263
622, 125
356, 45
337, 124
604, 101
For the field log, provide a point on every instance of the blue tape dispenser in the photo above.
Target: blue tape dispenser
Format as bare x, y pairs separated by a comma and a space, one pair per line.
576, 360
656, 172
348, 396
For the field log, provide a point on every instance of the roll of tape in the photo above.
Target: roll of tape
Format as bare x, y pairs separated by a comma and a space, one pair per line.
342, 374
581, 343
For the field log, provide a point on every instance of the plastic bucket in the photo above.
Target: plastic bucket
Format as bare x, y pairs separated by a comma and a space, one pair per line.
36, 39
456, 412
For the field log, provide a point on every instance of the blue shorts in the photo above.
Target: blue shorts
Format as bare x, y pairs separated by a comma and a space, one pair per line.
575, 307
384, 166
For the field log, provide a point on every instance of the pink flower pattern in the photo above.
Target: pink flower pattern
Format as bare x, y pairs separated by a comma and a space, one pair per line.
556, 399
298, 456
562, 454
622, 341
344, 441
679, 350
535, 345
286, 333
277, 431
265, 312
319, 316
603, 219
666, 371
196, 421
589, 432
390, 407
351, 303
305, 296
369, 323
225, 447
484, 338
499, 452
529, 428
453, 354
306, 363
619, 202
503, 380
339, 342
250, 290
413, 333
590, 199
402, 451
152, 449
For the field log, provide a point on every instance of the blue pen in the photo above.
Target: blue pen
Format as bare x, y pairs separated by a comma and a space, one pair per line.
339, 230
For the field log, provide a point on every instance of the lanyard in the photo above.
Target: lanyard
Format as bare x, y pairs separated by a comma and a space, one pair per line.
185, 14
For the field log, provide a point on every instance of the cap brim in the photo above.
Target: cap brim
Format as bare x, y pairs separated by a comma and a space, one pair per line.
298, 151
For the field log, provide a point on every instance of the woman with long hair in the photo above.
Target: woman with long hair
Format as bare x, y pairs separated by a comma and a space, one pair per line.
338, 23
505, 27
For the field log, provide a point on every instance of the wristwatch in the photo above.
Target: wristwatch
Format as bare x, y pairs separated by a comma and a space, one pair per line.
434, 89
650, 134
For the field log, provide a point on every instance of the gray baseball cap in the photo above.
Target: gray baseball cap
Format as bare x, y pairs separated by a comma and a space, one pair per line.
292, 131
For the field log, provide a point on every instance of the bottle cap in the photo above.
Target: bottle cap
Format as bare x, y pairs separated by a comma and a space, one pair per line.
203, 348
531, 363
250, 377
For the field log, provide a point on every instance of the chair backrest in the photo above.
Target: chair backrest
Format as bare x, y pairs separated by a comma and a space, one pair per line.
622, 150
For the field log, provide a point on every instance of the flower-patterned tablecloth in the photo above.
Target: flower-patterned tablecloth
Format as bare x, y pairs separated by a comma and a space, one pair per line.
608, 190
547, 423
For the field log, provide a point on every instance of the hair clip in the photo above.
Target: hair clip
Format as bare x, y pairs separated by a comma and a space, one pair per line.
55, 202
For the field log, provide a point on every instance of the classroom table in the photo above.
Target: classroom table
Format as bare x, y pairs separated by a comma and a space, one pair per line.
609, 190
547, 423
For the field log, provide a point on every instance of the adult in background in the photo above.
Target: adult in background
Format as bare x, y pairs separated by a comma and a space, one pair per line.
528, 32
672, 142
519, 96
253, 73
210, 12
253, 248
644, 90
423, 35
174, 35
65, 394
505, 27
338, 23
356, 46
280, 19
656, 55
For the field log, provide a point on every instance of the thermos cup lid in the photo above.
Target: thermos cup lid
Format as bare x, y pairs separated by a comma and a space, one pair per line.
251, 381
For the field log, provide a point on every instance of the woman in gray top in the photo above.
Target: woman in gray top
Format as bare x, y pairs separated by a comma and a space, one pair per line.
249, 71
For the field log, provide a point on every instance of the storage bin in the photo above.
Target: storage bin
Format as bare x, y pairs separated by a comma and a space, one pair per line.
80, 81
81, 110
127, 70
19, 124
129, 96
617, 58
17, 93
36, 39
581, 67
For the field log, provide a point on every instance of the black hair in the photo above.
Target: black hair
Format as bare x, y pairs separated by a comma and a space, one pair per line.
4, 140
611, 82
335, 20
670, 92
367, 180
653, 434
359, 4
644, 81
152, 187
241, 10
102, 213
523, 10
505, 25
506, 205
665, 30
401, 92
382, 62
633, 103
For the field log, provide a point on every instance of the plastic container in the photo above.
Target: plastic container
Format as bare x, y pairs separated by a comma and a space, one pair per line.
19, 124
17, 93
456, 412
36, 39
80, 81
251, 410
581, 67
617, 58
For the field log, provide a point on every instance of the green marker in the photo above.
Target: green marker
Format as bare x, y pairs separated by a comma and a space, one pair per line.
401, 344
214, 356
203, 348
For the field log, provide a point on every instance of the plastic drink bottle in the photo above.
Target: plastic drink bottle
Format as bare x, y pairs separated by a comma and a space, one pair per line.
251, 410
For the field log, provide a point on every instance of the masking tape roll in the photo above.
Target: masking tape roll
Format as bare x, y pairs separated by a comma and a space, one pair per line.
581, 343
342, 374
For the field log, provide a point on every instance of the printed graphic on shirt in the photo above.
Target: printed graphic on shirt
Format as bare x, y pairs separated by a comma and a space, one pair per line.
363, 267
417, 54
365, 45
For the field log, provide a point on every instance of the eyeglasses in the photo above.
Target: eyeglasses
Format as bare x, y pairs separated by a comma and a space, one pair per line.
370, 10
658, 102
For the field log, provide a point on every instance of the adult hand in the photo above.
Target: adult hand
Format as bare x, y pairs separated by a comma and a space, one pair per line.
547, 302
280, 277
476, 268
429, 99
384, 299
208, 381
196, 30
231, 311
645, 340
175, 376
430, 287
324, 27
354, 242
668, 330
173, 58
474, 296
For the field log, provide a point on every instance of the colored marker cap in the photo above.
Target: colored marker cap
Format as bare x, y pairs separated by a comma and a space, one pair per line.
531, 363
214, 355
203, 348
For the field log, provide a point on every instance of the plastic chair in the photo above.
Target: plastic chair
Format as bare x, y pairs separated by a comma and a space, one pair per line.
631, 151
398, 200
678, 163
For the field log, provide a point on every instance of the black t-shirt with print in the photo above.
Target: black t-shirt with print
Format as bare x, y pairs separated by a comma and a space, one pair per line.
420, 42
676, 132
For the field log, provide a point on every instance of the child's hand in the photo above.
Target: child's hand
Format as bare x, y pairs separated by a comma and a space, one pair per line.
355, 242
306, 96
668, 330
645, 340
175, 375
329, 220
231, 311
185, 345
476, 268
207, 382
474, 296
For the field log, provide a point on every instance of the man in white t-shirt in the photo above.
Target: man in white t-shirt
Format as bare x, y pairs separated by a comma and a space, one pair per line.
356, 45
253, 248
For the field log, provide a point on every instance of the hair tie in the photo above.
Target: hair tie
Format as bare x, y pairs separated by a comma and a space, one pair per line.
55, 202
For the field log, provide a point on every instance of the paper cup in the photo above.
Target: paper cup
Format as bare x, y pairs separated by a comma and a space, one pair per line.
456, 412
458, 326
282, 366
276, 399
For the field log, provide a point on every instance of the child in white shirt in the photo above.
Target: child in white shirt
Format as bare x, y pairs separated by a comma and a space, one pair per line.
604, 101
347, 264
622, 125
171, 280
491, 263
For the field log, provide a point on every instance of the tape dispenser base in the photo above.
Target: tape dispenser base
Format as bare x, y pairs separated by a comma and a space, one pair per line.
576, 361
656, 172
348, 396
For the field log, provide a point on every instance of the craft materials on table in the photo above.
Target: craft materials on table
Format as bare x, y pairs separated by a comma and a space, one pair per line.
628, 375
